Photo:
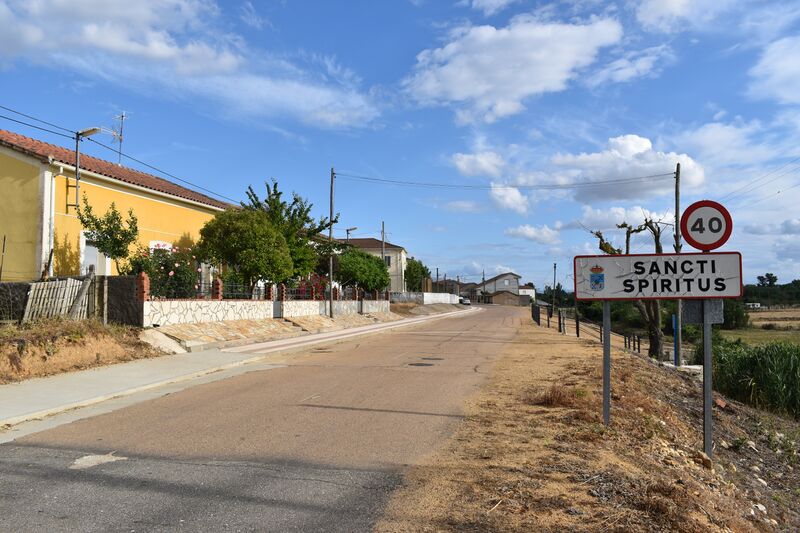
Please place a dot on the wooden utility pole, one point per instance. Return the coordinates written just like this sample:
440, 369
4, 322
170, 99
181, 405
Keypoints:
554, 287
330, 243
678, 313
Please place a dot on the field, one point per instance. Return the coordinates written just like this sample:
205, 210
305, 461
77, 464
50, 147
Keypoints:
768, 326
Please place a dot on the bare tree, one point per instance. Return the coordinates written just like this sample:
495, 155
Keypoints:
649, 309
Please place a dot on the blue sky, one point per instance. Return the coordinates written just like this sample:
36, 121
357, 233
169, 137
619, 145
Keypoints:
509, 95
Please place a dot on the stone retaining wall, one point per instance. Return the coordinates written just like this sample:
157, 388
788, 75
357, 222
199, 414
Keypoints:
166, 312
344, 307
374, 306
303, 308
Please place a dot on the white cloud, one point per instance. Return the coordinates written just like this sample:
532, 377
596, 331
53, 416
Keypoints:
490, 71
608, 218
787, 227
508, 197
174, 46
627, 156
463, 206
479, 164
777, 73
675, 15
719, 144
541, 234
490, 7
249, 15
632, 65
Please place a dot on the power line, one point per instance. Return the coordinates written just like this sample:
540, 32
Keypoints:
37, 127
139, 161
551, 186
37, 119
164, 172
782, 174
735, 192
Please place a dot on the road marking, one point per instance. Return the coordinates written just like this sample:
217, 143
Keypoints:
88, 461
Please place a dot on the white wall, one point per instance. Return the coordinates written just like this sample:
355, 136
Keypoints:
375, 306
439, 298
166, 312
303, 308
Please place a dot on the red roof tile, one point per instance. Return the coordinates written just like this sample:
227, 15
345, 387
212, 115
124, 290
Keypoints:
43, 151
370, 243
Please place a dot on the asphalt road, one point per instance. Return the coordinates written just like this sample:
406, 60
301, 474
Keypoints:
315, 446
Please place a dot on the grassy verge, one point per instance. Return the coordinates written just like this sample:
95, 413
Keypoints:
761, 336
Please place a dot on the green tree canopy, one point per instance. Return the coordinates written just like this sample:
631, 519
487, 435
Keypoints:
294, 221
767, 280
246, 241
416, 273
362, 269
110, 235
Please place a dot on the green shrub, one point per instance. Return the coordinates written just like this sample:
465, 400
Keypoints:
766, 376
173, 272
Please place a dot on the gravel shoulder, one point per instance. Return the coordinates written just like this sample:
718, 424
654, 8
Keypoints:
533, 454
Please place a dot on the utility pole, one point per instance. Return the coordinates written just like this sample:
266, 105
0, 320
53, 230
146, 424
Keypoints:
437, 280
458, 285
483, 291
554, 287
678, 313
383, 249
348, 230
330, 242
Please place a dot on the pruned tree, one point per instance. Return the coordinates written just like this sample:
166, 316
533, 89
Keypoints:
649, 309
111, 235
767, 280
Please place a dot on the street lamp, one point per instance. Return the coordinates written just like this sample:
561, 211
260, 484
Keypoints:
88, 132
348, 230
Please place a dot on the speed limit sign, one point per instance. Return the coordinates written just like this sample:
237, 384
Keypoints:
706, 225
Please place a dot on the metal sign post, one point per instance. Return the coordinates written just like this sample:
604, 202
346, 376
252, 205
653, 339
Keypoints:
708, 394
606, 362
705, 278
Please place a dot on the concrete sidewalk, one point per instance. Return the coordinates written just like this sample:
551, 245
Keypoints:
41, 397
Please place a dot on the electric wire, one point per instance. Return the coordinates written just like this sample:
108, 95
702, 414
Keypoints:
154, 168
735, 192
37, 127
746, 193
550, 186
164, 172
37, 119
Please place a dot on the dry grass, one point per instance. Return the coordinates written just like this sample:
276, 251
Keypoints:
534, 456
54, 346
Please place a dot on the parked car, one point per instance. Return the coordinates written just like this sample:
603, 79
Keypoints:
464, 301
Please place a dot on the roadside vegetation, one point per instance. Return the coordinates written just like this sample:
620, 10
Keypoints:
53, 346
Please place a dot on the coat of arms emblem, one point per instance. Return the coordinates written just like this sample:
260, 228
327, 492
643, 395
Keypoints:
597, 280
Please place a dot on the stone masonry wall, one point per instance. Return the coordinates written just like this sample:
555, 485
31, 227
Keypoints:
165, 312
375, 306
303, 308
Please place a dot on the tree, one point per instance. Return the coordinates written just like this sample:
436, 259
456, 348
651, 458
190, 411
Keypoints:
362, 269
649, 309
246, 241
767, 280
110, 235
416, 273
299, 229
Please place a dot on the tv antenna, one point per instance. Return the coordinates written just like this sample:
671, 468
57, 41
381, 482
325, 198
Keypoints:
117, 133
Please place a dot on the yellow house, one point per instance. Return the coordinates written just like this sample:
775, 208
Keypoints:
37, 213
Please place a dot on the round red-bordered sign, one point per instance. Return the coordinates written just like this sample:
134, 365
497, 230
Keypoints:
706, 225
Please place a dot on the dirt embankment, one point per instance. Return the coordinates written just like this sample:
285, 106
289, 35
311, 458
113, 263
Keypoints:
533, 454
49, 347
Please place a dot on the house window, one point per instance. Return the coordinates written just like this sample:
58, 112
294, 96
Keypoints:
505, 282
90, 255
388, 260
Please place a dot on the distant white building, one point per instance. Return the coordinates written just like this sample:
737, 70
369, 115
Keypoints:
753, 305
528, 290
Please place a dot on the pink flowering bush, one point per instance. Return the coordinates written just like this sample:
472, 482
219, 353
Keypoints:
173, 272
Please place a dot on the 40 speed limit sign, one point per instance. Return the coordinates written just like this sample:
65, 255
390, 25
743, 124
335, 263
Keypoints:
706, 225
